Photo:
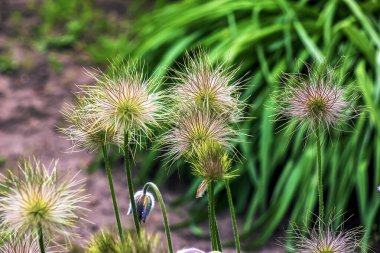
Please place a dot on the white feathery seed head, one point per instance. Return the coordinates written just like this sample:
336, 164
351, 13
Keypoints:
195, 129
201, 86
24, 244
126, 101
36, 198
84, 131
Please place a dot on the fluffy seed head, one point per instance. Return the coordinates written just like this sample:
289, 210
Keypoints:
23, 244
194, 250
144, 205
196, 129
36, 197
324, 239
201, 86
126, 101
316, 100
211, 162
85, 131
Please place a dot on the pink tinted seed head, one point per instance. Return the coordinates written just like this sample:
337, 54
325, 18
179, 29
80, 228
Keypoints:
325, 238
316, 100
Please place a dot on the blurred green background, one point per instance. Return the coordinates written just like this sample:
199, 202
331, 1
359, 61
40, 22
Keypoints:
266, 38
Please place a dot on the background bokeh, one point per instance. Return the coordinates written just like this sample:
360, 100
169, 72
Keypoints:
265, 38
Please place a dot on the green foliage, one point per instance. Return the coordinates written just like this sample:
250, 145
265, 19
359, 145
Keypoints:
7, 64
267, 37
72, 17
80, 24
107, 242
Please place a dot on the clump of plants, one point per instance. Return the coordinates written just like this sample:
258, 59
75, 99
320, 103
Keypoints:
202, 112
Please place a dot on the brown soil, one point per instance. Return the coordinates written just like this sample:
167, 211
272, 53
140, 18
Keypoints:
31, 98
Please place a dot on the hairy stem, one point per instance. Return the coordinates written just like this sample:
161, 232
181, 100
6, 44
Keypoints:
210, 218
130, 183
320, 183
233, 217
112, 189
163, 209
213, 224
41, 239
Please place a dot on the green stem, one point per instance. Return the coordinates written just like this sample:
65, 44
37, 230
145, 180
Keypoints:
130, 183
211, 220
233, 217
214, 226
217, 237
163, 210
112, 189
41, 239
320, 175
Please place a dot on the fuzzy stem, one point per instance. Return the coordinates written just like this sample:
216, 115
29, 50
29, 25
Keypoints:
163, 210
320, 175
217, 237
111, 185
233, 217
41, 239
213, 225
130, 183
211, 221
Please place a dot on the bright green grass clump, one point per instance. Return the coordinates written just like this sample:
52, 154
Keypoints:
108, 242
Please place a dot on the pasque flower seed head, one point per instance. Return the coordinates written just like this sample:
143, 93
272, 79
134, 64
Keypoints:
202, 86
211, 162
316, 100
126, 101
37, 198
196, 129
323, 238
24, 244
85, 131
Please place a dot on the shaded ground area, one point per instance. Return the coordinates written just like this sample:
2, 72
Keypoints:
33, 90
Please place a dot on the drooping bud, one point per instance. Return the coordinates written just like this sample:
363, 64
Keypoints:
144, 205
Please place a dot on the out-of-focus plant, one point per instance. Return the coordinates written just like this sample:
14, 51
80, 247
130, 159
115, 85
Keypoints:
266, 36
39, 203
107, 242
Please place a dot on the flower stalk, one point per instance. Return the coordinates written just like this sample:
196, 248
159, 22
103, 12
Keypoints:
130, 183
320, 174
216, 244
41, 238
233, 217
163, 209
112, 190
